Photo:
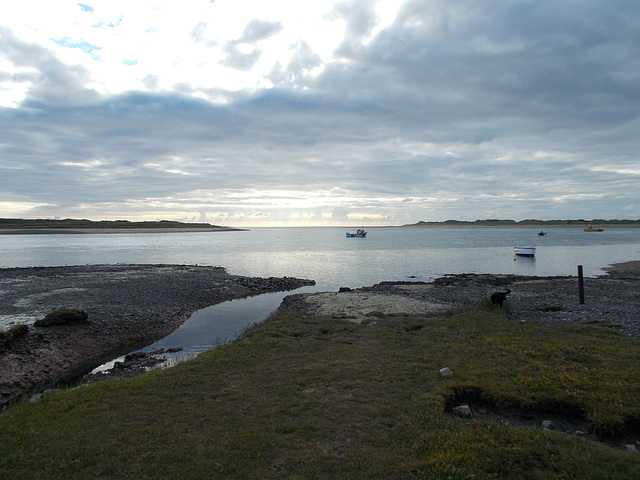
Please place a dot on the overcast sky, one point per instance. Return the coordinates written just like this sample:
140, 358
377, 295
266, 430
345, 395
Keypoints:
356, 112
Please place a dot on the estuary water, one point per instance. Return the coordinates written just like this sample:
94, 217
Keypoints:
325, 255
332, 260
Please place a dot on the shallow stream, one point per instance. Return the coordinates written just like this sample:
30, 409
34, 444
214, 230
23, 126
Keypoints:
212, 326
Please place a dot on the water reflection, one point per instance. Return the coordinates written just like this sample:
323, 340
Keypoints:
211, 326
525, 265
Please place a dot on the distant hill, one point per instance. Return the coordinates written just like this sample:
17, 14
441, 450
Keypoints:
69, 223
527, 223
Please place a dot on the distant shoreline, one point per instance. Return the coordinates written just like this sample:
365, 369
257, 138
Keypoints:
133, 230
536, 226
543, 224
81, 231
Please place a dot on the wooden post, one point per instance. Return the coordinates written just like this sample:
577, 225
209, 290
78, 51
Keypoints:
581, 284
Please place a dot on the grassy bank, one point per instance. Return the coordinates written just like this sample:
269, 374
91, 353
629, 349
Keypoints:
319, 397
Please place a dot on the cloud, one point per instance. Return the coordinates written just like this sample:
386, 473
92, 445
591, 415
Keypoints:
238, 59
360, 18
241, 54
43, 77
424, 110
300, 71
257, 30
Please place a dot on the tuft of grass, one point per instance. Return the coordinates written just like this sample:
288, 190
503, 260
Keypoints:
62, 316
322, 397
553, 307
488, 306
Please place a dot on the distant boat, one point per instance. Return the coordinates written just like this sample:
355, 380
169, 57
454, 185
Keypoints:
361, 233
591, 229
542, 233
524, 251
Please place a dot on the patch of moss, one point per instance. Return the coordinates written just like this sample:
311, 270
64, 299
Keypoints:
8, 337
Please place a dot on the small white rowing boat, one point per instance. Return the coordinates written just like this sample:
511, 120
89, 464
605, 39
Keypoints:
524, 251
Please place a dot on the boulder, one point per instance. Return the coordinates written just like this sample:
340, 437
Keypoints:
463, 410
547, 425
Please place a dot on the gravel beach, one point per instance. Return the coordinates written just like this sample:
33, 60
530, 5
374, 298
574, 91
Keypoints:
128, 306
611, 300
132, 305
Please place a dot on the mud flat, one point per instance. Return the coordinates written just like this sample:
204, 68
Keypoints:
128, 306
133, 305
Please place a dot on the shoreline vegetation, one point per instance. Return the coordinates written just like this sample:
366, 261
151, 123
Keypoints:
17, 226
349, 392
596, 222
73, 226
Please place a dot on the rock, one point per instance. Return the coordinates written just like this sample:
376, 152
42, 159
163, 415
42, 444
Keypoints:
554, 307
62, 316
547, 425
445, 372
631, 448
463, 411
344, 289
174, 349
135, 356
11, 335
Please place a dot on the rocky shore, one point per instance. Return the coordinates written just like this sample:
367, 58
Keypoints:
133, 305
127, 305
611, 301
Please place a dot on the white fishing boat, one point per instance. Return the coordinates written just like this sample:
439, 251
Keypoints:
524, 251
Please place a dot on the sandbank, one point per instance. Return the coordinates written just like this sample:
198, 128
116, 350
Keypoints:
79, 231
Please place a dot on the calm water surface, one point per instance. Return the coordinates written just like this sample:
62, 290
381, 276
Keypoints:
325, 255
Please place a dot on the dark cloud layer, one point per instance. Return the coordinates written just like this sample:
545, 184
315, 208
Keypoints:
456, 109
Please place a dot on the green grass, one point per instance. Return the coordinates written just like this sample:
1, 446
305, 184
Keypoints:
318, 397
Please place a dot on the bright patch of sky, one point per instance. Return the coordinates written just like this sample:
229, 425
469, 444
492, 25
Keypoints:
193, 45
